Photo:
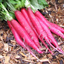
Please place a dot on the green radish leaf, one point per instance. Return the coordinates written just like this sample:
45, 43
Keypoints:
12, 14
1, 0
35, 5
4, 14
43, 2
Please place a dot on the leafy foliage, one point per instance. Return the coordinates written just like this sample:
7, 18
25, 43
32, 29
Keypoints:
43, 2
37, 4
4, 14
12, 5
1, 12
17, 4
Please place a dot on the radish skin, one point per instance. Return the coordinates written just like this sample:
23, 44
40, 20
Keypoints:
25, 13
37, 25
46, 29
27, 27
53, 29
18, 39
58, 27
24, 35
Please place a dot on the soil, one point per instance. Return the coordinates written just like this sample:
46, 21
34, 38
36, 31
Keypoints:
12, 53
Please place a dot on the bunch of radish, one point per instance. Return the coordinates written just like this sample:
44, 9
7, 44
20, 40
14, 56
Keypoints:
29, 27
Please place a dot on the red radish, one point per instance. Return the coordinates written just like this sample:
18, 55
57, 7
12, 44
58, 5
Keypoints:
25, 13
27, 27
24, 35
46, 29
18, 28
56, 26
42, 41
37, 26
53, 29
56, 31
18, 39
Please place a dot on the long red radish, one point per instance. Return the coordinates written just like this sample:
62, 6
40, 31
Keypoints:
15, 23
25, 13
56, 31
56, 26
46, 29
24, 35
27, 27
53, 29
18, 39
37, 25
42, 41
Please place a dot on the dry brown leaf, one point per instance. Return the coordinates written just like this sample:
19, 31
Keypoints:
17, 56
39, 63
1, 38
27, 60
1, 31
7, 58
1, 56
1, 45
54, 63
23, 54
13, 42
4, 36
5, 47
44, 60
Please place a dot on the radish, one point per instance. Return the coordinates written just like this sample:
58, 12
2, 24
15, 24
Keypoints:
33, 25
25, 13
37, 25
24, 35
56, 26
40, 31
34, 29
46, 29
53, 29
27, 27
18, 39
19, 29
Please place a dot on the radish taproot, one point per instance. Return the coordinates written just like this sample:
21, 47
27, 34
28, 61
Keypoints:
56, 26
24, 35
25, 13
52, 28
24, 23
37, 25
20, 30
18, 39
49, 34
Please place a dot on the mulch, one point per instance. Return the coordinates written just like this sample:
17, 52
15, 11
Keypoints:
12, 53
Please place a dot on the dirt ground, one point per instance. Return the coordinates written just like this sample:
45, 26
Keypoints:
12, 53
